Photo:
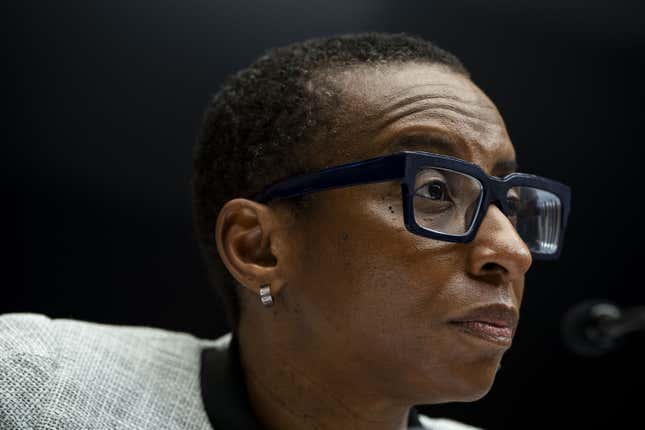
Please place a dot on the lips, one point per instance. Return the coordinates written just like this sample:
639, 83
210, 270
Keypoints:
495, 323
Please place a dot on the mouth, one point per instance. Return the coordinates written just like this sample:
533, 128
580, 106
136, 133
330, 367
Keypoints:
494, 323
498, 335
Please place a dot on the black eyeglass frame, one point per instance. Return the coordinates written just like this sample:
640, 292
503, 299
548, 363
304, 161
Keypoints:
404, 165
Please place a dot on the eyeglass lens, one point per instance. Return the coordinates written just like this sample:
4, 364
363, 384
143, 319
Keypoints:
446, 201
536, 215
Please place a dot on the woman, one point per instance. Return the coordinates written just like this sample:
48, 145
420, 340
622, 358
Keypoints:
342, 200
358, 296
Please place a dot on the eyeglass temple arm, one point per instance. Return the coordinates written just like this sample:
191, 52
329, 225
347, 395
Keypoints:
379, 169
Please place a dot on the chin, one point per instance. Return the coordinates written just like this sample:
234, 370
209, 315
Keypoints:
473, 390
460, 397
476, 395
462, 387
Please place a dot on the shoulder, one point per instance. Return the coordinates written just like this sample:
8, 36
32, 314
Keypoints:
443, 424
59, 373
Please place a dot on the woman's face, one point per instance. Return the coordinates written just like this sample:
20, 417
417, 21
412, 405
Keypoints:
370, 301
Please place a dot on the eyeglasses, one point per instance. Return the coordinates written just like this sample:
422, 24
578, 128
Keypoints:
446, 198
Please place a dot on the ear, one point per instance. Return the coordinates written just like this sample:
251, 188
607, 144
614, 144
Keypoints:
244, 232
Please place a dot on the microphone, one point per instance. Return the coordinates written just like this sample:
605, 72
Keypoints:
595, 327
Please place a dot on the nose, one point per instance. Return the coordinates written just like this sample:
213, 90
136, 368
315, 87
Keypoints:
498, 248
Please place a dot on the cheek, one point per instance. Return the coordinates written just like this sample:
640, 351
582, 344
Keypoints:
378, 296
410, 271
368, 274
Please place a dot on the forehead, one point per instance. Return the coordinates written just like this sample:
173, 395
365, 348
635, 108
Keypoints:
382, 106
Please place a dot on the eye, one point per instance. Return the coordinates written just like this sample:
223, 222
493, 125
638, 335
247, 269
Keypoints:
434, 189
513, 204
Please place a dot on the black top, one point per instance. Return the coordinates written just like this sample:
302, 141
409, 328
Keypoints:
224, 391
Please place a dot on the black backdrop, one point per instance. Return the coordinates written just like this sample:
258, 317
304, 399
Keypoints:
104, 100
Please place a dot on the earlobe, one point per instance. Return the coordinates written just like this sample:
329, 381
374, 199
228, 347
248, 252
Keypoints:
243, 234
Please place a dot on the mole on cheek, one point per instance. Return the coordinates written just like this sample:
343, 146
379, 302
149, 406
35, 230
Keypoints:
384, 197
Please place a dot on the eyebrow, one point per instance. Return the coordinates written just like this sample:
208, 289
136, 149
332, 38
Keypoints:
442, 144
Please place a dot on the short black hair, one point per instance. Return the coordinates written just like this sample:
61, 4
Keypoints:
258, 128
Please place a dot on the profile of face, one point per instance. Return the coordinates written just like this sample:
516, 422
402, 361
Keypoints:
361, 302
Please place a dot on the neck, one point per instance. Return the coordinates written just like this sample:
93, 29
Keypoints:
293, 389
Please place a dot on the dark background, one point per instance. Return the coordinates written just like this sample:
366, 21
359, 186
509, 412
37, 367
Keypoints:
104, 99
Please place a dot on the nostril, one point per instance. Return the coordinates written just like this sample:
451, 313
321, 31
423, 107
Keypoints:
490, 266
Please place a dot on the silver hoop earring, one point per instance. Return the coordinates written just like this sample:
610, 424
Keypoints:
265, 295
